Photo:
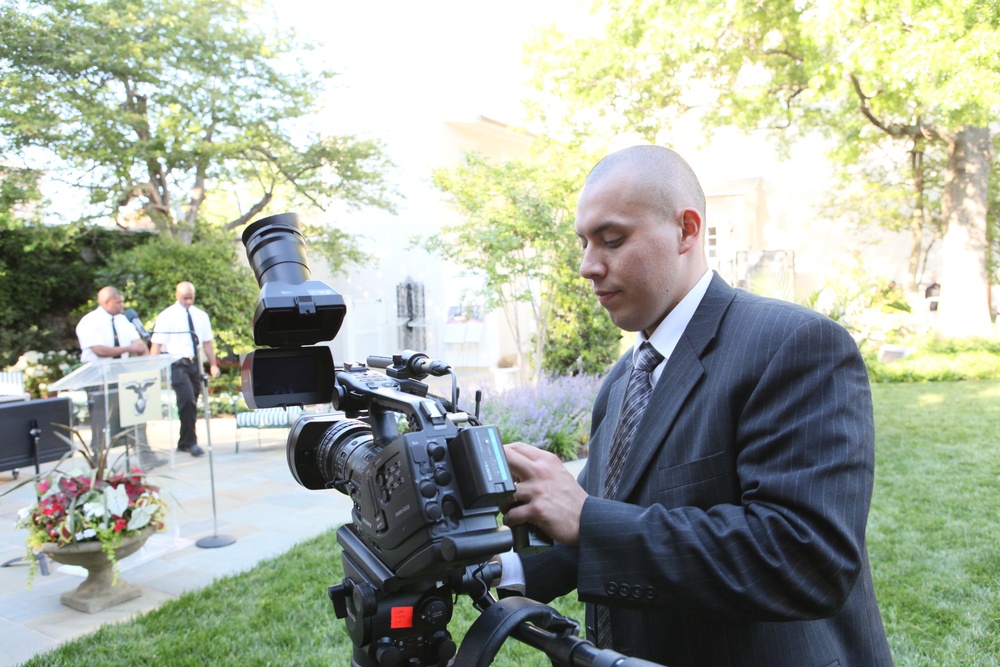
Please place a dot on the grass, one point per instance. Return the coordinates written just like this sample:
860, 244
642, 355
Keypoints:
933, 539
933, 533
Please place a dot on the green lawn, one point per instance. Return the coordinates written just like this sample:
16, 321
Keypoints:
933, 534
933, 538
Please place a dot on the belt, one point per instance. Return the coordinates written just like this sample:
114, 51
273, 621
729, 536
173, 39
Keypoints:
190, 360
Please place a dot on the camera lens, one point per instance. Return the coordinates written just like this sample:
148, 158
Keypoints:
276, 250
345, 450
323, 449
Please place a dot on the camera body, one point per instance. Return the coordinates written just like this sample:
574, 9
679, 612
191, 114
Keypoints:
425, 500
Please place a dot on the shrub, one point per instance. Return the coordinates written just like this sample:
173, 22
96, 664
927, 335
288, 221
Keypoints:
939, 361
43, 368
554, 415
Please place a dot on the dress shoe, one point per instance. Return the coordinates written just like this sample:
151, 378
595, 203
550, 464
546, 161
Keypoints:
196, 450
149, 461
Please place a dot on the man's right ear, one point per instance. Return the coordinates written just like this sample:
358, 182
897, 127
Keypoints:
691, 225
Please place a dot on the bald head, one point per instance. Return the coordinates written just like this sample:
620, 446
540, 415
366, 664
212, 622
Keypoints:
184, 293
110, 299
108, 293
640, 220
666, 177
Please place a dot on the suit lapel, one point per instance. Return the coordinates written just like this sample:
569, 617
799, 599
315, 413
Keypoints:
605, 434
681, 374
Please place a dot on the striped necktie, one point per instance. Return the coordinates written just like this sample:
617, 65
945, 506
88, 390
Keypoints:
636, 397
637, 394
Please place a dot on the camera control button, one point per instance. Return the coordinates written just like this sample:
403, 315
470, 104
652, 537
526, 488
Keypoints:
433, 511
428, 489
442, 476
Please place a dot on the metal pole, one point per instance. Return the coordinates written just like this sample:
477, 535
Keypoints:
214, 540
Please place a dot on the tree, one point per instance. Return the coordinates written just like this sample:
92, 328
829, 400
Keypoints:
19, 196
148, 274
517, 234
868, 72
153, 107
580, 337
47, 274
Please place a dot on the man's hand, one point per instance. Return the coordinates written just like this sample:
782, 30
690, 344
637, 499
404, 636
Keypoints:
137, 347
213, 369
547, 494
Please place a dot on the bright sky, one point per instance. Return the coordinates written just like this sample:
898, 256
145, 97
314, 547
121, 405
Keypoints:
435, 59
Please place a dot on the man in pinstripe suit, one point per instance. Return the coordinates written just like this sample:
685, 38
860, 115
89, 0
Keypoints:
735, 532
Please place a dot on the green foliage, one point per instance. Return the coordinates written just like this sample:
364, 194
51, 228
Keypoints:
224, 392
518, 235
158, 106
933, 537
224, 286
41, 369
937, 361
887, 81
783, 65
18, 191
581, 336
47, 275
872, 309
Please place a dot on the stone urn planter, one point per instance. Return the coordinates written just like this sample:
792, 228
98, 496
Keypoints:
101, 589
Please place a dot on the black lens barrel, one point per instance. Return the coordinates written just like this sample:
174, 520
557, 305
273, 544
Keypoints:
276, 250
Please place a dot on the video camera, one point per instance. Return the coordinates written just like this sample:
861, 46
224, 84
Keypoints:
426, 478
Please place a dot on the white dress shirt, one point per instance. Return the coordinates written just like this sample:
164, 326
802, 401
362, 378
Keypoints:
171, 330
94, 328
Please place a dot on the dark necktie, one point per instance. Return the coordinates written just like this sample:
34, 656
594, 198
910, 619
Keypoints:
114, 332
194, 338
636, 397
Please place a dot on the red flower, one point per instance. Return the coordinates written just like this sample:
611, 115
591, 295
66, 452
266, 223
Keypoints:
120, 525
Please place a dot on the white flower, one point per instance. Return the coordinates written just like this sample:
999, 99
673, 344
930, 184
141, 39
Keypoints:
86, 534
23, 516
94, 510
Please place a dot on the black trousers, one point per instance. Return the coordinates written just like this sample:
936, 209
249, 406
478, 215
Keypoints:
185, 377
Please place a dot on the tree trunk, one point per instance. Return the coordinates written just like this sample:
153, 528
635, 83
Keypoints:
964, 307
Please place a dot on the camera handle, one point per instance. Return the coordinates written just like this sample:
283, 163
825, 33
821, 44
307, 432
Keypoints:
539, 626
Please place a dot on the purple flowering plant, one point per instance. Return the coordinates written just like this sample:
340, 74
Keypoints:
553, 415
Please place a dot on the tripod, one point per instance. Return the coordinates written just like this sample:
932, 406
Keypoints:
395, 622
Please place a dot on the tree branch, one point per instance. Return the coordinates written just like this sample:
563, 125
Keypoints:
254, 210
916, 130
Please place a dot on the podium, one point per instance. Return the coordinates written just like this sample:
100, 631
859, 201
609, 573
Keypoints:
123, 395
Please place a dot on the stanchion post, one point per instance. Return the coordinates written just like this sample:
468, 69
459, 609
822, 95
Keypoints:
214, 540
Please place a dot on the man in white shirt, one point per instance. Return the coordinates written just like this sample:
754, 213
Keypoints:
104, 334
184, 329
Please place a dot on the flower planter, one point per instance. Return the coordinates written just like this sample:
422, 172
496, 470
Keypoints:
102, 588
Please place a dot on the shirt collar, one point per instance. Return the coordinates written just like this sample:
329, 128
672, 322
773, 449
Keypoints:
670, 330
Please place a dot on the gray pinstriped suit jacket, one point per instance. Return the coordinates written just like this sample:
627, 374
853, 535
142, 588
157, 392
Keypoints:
741, 540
